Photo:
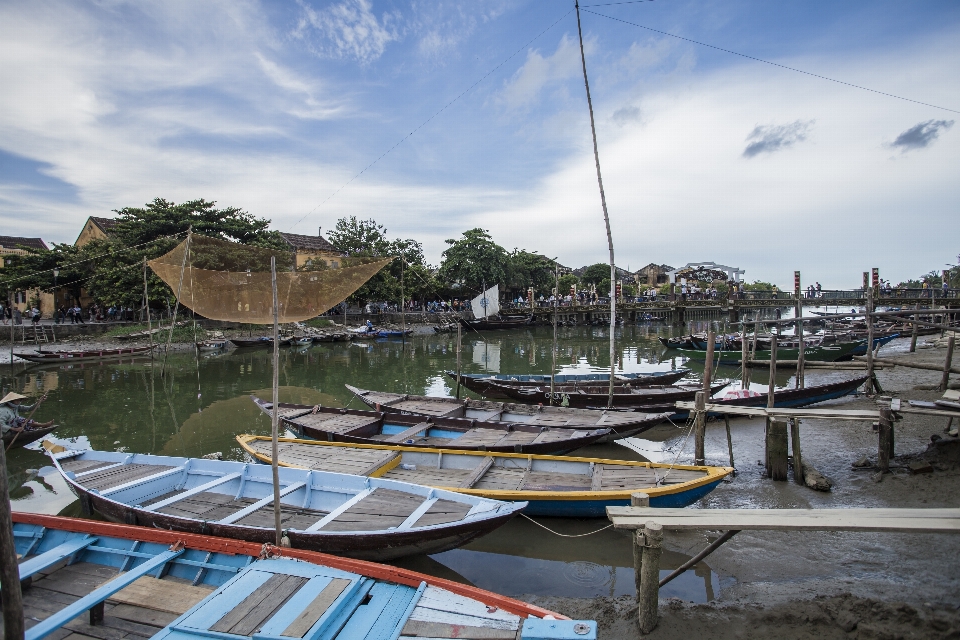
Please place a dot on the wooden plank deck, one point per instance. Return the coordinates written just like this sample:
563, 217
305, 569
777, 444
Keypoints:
382, 509
116, 476
335, 423
761, 412
894, 520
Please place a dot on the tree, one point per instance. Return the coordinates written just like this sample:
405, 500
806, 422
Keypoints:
596, 274
526, 269
474, 261
566, 281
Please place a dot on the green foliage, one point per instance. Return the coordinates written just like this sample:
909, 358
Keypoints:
566, 281
526, 269
319, 323
366, 238
596, 274
758, 285
473, 261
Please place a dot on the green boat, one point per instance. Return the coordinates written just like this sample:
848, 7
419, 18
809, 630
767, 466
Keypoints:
831, 353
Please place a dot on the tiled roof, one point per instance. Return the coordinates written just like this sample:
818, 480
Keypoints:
105, 224
311, 243
14, 242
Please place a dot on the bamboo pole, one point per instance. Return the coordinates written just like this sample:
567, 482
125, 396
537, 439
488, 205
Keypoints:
945, 380
556, 299
913, 336
10, 595
700, 427
744, 359
726, 422
606, 218
708, 362
800, 345
403, 318
869, 387
275, 414
459, 337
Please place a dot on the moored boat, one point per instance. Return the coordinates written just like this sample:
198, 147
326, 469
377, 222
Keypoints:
550, 485
373, 427
211, 345
367, 518
84, 354
262, 341
479, 382
622, 424
144, 582
598, 396
830, 353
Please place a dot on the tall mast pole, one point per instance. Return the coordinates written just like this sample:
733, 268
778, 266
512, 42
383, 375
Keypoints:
606, 217
275, 414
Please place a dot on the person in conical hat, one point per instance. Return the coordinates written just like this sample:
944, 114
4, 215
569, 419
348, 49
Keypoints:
10, 419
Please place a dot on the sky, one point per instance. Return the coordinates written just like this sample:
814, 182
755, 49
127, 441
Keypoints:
435, 117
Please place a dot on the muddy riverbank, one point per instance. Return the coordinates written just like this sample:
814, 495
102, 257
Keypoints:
821, 584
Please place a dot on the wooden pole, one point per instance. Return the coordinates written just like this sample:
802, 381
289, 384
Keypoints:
744, 358
638, 500
708, 362
10, 306
868, 387
913, 336
650, 538
403, 317
459, 337
945, 380
777, 450
10, 595
556, 299
606, 218
726, 422
275, 417
795, 445
700, 423
800, 346
771, 399
885, 440
146, 304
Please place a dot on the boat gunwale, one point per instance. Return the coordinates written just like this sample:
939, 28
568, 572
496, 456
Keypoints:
217, 544
713, 474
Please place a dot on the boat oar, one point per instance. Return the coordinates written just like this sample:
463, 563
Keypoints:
27, 421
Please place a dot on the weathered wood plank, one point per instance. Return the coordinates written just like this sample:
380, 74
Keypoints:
408, 433
162, 595
477, 473
309, 616
421, 629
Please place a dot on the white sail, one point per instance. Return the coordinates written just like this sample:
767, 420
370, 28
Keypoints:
487, 303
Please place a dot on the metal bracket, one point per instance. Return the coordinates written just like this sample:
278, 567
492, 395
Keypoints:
642, 541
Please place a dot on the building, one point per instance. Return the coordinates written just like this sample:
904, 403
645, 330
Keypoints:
95, 229
17, 246
309, 250
654, 274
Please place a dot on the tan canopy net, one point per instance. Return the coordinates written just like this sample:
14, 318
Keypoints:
224, 280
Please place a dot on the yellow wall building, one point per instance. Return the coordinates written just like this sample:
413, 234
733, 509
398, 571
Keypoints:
312, 249
15, 246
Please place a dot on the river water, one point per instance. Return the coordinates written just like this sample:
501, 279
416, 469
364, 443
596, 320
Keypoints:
197, 406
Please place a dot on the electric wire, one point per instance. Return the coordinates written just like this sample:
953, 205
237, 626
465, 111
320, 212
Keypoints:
775, 64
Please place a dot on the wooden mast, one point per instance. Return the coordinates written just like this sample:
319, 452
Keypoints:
606, 218
275, 414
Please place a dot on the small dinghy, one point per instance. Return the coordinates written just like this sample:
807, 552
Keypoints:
550, 485
85, 355
91, 579
211, 345
372, 427
302, 341
622, 424
480, 382
33, 432
366, 518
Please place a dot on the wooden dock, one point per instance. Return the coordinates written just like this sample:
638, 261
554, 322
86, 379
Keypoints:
649, 525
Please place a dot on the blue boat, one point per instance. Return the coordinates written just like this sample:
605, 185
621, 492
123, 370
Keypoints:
151, 583
360, 517
861, 349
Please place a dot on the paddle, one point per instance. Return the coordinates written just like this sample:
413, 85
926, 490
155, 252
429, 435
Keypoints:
27, 421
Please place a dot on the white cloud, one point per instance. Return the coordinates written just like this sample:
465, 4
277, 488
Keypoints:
524, 89
348, 29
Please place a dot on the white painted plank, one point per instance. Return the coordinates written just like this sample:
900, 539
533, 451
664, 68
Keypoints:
443, 600
422, 614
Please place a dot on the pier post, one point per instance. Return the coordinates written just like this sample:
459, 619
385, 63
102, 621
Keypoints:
744, 357
726, 422
771, 389
913, 336
708, 361
638, 500
795, 445
885, 450
700, 427
869, 387
777, 450
10, 595
650, 540
945, 380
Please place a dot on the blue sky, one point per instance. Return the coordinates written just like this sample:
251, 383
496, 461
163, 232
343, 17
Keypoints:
276, 106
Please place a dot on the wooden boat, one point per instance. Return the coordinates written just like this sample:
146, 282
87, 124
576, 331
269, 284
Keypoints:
12, 441
369, 427
478, 382
598, 396
366, 518
339, 336
262, 341
83, 355
302, 341
830, 353
784, 398
550, 485
621, 424
381, 333
139, 582
497, 322
211, 345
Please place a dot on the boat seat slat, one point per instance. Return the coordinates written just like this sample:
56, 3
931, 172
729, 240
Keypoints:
442, 512
49, 558
122, 475
409, 433
477, 473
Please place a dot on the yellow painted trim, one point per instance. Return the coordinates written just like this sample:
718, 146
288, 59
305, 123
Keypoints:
390, 466
713, 473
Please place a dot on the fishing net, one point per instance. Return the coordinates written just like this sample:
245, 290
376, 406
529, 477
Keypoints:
223, 280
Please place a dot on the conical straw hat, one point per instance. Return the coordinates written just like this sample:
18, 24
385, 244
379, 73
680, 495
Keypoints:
11, 397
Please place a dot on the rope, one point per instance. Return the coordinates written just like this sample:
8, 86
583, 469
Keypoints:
564, 535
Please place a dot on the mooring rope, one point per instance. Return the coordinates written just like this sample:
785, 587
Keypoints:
565, 535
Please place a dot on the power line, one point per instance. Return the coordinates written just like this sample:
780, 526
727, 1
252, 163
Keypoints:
425, 122
610, 4
775, 64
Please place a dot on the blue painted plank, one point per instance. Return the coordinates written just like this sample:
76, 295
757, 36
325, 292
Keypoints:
53, 556
377, 619
98, 595
292, 608
223, 600
539, 629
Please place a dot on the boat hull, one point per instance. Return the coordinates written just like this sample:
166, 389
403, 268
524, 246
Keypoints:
813, 354
64, 357
598, 508
13, 441
481, 383
591, 400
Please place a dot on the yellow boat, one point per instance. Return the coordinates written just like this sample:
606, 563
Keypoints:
553, 485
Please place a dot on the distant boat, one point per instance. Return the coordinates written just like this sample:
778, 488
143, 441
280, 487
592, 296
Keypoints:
83, 355
486, 312
550, 485
598, 396
172, 584
812, 354
369, 427
262, 341
302, 341
366, 518
480, 382
211, 345
622, 424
